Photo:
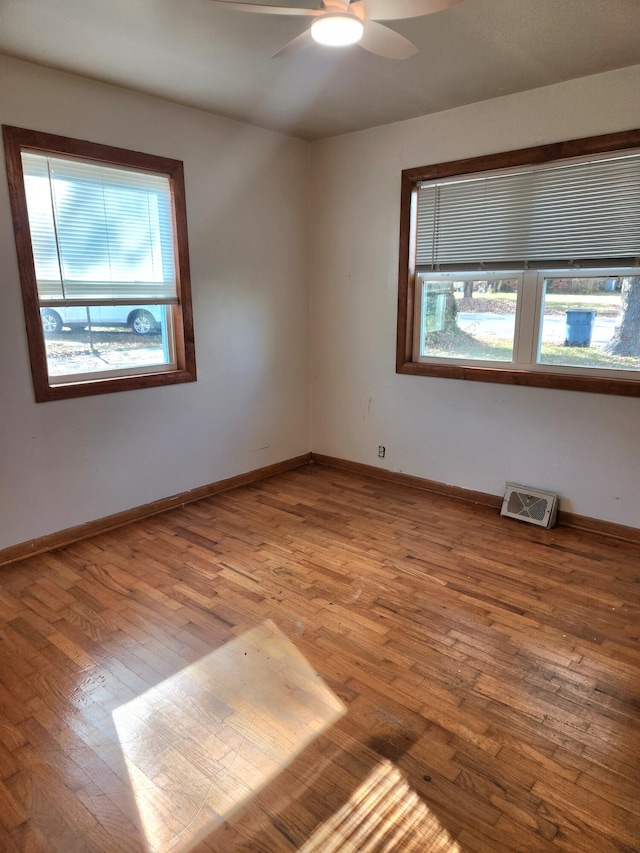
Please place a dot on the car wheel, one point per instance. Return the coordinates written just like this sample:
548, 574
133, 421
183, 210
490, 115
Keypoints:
51, 321
142, 323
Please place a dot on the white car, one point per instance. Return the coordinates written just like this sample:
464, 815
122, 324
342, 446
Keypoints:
142, 321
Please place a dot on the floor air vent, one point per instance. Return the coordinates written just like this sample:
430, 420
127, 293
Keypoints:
530, 505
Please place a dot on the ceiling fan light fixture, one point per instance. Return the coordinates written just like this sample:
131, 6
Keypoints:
337, 30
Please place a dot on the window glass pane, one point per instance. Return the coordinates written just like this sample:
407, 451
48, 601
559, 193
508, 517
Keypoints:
591, 322
106, 339
467, 319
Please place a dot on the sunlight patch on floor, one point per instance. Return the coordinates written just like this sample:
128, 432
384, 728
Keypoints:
383, 815
205, 740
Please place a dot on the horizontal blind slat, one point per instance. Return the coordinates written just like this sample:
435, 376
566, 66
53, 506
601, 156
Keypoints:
99, 232
575, 212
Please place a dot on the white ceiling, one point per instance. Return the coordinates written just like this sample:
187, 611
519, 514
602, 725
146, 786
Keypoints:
217, 59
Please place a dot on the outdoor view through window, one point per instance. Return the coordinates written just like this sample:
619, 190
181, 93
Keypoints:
585, 322
88, 339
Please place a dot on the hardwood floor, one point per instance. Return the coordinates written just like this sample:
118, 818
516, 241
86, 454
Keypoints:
322, 662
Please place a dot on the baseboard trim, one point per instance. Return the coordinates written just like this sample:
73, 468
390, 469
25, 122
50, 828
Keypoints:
468, 495
596, 525
62, 538
110, 522
565, 519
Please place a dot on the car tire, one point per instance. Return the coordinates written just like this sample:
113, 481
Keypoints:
142, 323
51, 321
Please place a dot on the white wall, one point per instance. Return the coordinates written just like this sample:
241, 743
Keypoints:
469, 434
66, 462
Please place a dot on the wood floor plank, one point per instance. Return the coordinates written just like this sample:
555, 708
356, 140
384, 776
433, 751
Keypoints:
488, 673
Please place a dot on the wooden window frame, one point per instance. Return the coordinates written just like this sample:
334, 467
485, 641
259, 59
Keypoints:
406, 327
15, 140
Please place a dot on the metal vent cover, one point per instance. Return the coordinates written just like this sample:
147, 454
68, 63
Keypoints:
531, 505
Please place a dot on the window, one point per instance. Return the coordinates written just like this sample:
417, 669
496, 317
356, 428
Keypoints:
524, 267
102, 250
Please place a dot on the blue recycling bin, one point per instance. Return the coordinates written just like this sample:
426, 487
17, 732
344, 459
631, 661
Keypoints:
579, 328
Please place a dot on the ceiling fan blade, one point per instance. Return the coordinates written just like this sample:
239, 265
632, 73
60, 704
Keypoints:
335, 5
386, 42
265, 10
297, 45
394, 10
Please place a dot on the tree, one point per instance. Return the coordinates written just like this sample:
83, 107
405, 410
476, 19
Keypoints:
626, 337
451, 312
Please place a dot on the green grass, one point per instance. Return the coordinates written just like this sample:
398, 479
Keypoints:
588, 357
465, 346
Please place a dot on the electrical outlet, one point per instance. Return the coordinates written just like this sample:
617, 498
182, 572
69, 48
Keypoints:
381, 451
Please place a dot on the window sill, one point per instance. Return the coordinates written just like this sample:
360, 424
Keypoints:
66, 391
537, 379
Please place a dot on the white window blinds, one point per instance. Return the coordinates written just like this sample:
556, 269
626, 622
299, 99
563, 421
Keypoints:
574, 212
100, 234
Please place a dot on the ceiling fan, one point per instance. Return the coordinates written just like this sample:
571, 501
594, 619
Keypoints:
338, 23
